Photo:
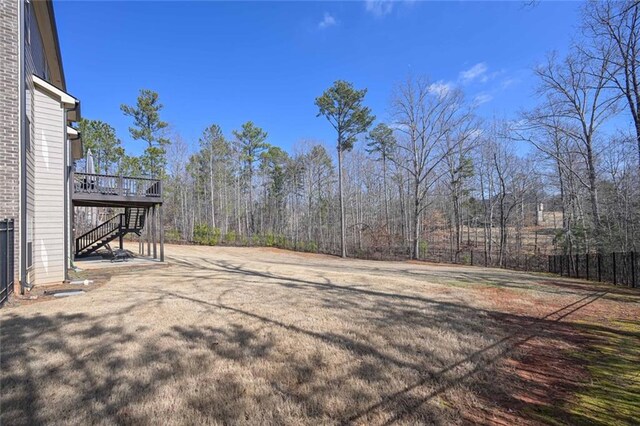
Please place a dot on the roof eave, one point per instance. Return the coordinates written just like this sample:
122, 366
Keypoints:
56, 41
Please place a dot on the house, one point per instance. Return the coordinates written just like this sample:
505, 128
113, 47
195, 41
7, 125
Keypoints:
38, 145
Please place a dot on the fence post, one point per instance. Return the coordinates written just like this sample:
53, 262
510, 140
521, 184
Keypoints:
7, 248
599, 267
471, 251
4, 279
577, 266
9, 241
614, 267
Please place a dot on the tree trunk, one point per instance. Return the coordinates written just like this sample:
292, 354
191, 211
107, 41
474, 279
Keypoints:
416, 222
343, 233
637, 125
211, 192
250, 224
593, 196
457, 220
386, 194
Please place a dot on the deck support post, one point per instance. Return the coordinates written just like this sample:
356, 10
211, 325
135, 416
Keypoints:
148, 230
121, 236
161, 234
154, 230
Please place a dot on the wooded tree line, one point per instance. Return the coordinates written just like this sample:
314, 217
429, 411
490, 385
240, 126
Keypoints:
431, 176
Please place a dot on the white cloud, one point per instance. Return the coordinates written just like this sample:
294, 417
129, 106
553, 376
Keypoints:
508, 82
379, 8
440, 88
382, 8
482, 98
398, 126
476, 72
476, 133
327, 21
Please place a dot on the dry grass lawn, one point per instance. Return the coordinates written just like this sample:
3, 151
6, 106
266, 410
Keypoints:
262, 336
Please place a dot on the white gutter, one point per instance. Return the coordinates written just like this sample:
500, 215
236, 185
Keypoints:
66, 99
73, 133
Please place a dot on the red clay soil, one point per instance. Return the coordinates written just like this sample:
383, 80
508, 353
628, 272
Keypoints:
535, 377
540, 372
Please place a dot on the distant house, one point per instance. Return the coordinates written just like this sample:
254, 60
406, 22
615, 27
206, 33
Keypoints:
38, 145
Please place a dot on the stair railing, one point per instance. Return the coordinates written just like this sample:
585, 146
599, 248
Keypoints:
98, 233
133, 219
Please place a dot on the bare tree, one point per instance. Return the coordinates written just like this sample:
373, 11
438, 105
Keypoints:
459, 168
576, 89
425, 118
614, 27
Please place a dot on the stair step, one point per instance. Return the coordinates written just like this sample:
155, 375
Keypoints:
134, 221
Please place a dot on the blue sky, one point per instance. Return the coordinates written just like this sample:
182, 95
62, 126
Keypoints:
229, 62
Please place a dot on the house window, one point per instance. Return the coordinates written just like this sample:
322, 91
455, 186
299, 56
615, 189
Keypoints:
30, 223
29, 254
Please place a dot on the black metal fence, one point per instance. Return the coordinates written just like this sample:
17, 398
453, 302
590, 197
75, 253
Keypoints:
6, 259
619, 268
515, 261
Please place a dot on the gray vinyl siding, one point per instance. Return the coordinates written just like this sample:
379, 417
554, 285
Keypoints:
16, 70
49, 214
30, 166
10, 119
34, 64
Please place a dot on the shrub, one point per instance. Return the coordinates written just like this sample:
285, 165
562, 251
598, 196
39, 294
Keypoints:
281, 241
172, 235
200, 233
269, 240
214, 237
231, 237
205, 234
311, 246
423, 247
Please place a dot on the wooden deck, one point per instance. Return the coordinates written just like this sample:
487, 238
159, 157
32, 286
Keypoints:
98, 190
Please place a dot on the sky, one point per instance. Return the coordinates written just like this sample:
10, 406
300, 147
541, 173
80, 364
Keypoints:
230, 62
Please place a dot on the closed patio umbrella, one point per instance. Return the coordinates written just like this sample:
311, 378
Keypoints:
89, 166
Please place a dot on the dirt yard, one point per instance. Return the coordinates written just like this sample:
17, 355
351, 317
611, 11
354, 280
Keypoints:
264, 336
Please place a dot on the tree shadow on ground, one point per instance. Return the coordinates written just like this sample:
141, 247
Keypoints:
445, 316
476, 275
341, 354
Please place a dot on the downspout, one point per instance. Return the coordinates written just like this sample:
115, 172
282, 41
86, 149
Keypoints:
65, 227
23, 150
71, 212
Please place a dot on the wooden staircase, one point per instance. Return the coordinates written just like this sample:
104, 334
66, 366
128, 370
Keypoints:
132, 220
